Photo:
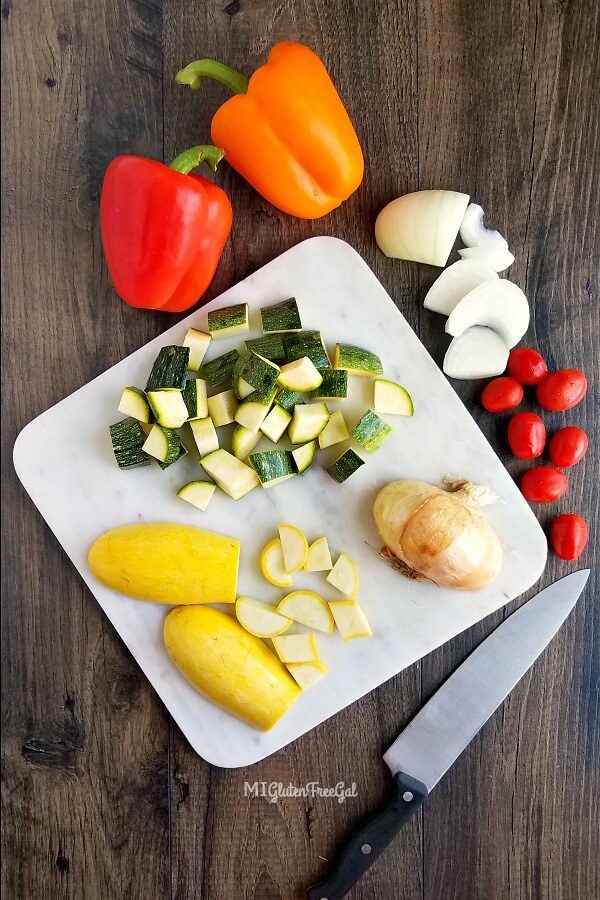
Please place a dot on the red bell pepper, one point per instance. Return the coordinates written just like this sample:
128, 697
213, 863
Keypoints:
163, 229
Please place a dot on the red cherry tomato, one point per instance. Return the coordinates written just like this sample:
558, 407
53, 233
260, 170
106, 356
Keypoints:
527, 366
561, 390
567, 446
543, 484
568, 536
502, 394
526, 435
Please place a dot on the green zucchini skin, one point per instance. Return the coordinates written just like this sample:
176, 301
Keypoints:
169, 369
371, 431
283, 316
334, 385
272, 464
228, 321
308, 343
270, 346
345, 465
258, 372
174, 454
127, 439
289, 399
190, 398
304, 456
221, 369
357, 360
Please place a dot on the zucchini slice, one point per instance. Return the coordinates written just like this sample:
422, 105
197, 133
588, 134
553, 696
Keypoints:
198, 493
127, 440
133, 403
371, 431
260, 618
288, 399
300, 375
308, 343
205, 436
197, 342
270, 346
319, 557
391, 399
350, 619
220, 369
304, 456
308, 421
164, 445
228, 321
276, 423
169, 369
357, 361
256, 371
283, 316
335, 431
168, 407
243, 442
233, 476
308, 609
194, 397
345, 575
271, 564
345, 465
273, 466
296, 648
253, 412
306, 675
222, 408
334, 385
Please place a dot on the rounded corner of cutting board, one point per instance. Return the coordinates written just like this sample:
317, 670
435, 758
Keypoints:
20, 449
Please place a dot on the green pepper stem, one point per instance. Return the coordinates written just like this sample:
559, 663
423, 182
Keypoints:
193, 74
192, 158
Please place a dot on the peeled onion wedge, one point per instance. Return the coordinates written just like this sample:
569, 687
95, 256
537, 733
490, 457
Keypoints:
307, 674
344, 575
499, 305
260, 619
421, 226
308, 609
350, 619
456, 282
294, 546
296, 648
473, 231
478, 353
492, 253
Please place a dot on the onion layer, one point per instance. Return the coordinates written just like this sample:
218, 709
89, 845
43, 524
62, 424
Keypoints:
437, 534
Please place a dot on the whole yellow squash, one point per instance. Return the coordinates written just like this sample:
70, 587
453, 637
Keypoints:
229, 665
167, 563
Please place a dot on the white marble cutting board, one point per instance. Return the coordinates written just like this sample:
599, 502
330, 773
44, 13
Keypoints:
65, 462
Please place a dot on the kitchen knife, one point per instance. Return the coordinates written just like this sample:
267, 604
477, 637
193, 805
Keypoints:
449, 721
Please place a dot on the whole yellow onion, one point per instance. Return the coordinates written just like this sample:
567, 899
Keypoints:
438, 534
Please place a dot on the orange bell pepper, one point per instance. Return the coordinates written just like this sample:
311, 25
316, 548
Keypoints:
286, 130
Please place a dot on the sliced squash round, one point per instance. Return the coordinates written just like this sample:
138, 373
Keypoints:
308, 609
271, 564
294, 546
260, 618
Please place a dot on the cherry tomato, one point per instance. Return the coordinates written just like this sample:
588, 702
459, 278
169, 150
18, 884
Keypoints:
567, 446
568, 536
526, 435
527, 366
543, 484
561, 390
502, 394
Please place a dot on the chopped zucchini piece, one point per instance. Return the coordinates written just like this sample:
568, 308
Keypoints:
133, 403
273, 466
243, 442
296, 648
164, 444
304, 456
228, 321
194, 397
308, 421
391, 399
344, 575
205, 435
335, 431
260, 618
168, 407
357, 361
283, 316
308, 343
197, 342
288, 399
300, 375
198, 493
220, 369
276, 423
294, 546
270, 346
319, 557
127, 438
345, 465
307, 674
350, 619
271, 564
334, 385
253, 412
231, 474
169, 369
222, 408
256, 371
308, 609
165, 465
371, 431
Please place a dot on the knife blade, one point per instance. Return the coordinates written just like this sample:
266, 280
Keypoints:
448, 722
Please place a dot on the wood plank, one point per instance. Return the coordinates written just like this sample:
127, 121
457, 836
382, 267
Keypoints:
86, 740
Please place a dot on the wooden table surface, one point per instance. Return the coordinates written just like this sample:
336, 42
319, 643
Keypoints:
103, 798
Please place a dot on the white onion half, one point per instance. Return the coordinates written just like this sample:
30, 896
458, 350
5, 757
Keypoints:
456, 282
494, 254
473, 231
421, 226
499, 305
477, 353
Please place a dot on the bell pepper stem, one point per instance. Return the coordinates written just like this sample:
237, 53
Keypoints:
193, 74
193, 157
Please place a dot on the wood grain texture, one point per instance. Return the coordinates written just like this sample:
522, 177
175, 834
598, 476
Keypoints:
102, 795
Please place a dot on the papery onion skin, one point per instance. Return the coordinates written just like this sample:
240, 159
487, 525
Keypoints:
441, 535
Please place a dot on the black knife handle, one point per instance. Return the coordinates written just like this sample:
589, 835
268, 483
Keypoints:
368, 844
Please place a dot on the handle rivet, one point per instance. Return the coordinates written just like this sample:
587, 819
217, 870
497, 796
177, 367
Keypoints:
408, 796
366, 849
